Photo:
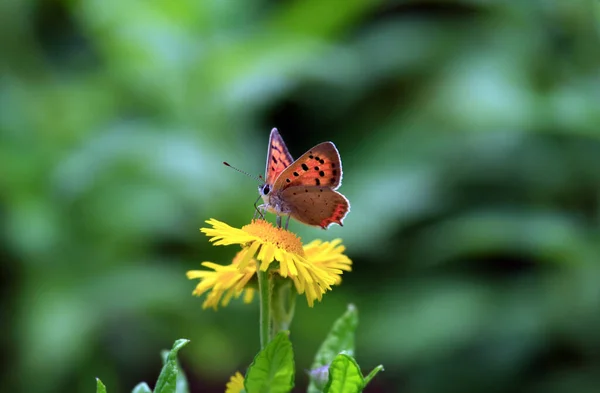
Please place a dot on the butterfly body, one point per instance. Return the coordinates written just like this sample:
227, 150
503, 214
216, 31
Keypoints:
304, 189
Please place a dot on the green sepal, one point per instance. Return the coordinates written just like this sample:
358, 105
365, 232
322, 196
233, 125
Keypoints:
141, 387
167, 380
100, 388
372, 374
344, 376
340, 338
272, 370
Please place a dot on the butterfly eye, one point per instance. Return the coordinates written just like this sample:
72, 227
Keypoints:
266, 189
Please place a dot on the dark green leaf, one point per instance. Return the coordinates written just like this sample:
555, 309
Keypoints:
141, 387
344, 376
340, 338
182, 384
167, 381
272, 370
100, 388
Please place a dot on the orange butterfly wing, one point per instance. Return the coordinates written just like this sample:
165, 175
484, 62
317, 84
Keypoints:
318, 206
320, 166
278, 157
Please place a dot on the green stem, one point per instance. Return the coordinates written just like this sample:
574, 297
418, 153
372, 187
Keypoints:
264, 286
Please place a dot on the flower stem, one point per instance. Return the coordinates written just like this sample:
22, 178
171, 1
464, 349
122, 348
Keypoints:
264, 287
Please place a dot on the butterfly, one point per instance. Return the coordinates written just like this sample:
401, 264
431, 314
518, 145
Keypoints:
304, 189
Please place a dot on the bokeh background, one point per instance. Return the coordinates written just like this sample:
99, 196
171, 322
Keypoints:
469, 133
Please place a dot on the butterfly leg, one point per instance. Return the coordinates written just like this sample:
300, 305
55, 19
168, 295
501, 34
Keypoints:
257, 210
278, 221
287, 222
257, 213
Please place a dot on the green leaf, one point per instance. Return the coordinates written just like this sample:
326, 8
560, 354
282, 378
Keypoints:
272, 370
344, 376
340, 338
100, 388
372, 374
181, 384
167, 380
141, 387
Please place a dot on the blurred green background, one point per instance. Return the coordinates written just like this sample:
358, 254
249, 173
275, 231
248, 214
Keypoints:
469, 133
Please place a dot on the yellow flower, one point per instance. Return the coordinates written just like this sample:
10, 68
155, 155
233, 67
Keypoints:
314, 268
329, 257
235, 384
224, 282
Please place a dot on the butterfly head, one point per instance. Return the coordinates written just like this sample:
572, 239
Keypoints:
265, 190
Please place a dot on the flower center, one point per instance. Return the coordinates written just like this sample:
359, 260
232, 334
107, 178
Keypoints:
282, 238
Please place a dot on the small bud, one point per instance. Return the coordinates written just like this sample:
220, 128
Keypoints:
320, 376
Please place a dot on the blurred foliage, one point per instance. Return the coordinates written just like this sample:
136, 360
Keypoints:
469, 135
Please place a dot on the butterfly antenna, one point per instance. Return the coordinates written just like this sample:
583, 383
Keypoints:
259, 178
